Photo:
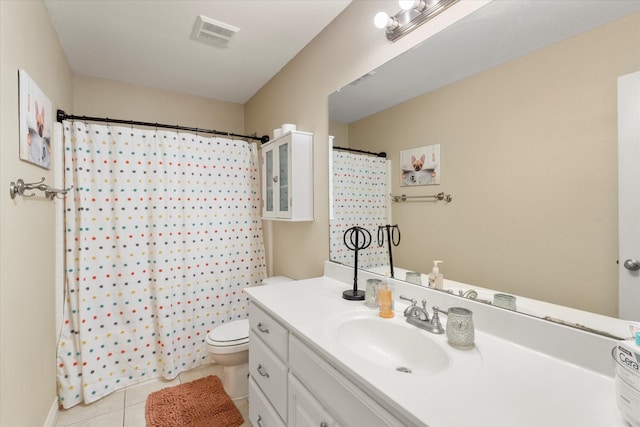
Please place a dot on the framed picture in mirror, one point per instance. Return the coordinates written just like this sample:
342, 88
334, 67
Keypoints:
420, 166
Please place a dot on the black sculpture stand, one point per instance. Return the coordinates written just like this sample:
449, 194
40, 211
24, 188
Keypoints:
353, 295
358, 238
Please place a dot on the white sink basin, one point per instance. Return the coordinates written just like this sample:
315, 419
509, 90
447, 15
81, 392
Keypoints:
392, 344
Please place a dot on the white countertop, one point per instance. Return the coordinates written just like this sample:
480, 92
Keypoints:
497, 383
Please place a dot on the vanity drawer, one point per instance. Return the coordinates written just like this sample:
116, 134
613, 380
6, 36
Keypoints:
261, 414
304, 409
269, 372
349, 405
271, 332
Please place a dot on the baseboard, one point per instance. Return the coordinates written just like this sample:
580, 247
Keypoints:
52, 417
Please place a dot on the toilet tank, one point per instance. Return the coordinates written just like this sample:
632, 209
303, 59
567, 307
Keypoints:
276, 279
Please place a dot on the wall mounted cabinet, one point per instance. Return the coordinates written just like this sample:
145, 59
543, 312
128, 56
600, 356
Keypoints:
287, 177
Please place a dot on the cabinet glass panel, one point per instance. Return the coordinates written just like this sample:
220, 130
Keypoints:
283, 178
269, 181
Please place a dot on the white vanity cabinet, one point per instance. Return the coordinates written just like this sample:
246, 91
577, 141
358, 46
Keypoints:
268, 344
287, 177
291, 385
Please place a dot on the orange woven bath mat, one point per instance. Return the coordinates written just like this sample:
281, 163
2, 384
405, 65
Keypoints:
199, 403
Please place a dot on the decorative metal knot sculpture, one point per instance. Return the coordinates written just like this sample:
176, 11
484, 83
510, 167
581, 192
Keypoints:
393, 239
355, 239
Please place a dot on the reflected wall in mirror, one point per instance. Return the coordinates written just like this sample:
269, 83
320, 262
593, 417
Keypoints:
529, 147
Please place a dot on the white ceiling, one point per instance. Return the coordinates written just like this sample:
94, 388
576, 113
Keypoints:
148, 42
496, 33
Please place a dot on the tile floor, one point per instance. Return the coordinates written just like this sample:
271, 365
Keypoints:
126, 407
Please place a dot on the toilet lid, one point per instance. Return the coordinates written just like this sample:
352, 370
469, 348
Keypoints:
232, 333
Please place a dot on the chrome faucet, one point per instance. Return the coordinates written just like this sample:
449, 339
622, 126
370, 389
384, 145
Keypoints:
413, 310
419, 316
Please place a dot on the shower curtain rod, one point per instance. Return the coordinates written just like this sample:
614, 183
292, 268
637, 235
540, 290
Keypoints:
61, 115
353, 150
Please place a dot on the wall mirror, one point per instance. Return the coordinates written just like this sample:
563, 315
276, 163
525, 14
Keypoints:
521, 96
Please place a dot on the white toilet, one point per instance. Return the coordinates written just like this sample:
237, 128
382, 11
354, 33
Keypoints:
228, 345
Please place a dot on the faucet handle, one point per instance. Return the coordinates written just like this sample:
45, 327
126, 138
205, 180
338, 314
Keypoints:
437, 309
413, 301
435, 320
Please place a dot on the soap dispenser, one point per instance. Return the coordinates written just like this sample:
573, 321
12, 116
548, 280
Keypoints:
385, 298
435, 277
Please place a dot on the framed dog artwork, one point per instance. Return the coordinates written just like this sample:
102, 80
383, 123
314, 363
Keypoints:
420, 166
36, 121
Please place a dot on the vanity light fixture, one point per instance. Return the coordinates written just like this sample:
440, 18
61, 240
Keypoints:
413, 14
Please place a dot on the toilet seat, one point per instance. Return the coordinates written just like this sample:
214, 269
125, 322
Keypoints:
232, 334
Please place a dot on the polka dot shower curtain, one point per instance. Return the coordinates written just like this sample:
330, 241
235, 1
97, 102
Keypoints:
360, 197
163, 232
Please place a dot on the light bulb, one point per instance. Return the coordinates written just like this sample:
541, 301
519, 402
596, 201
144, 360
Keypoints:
418, 5
381, 20
408, 4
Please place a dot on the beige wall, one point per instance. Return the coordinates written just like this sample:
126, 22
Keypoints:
27, 235
529, 154
106, 98
348, 48
340, 133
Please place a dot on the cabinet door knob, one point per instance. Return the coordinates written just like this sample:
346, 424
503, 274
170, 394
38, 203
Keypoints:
275, 179
262, 371
261, 328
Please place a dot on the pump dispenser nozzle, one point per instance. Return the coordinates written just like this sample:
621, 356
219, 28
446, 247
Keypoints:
435, 278
436, 270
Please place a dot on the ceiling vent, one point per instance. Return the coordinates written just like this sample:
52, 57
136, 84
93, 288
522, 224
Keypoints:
213, 32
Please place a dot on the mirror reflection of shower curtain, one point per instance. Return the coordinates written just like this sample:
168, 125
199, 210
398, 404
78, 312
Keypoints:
163, 231
360, 197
